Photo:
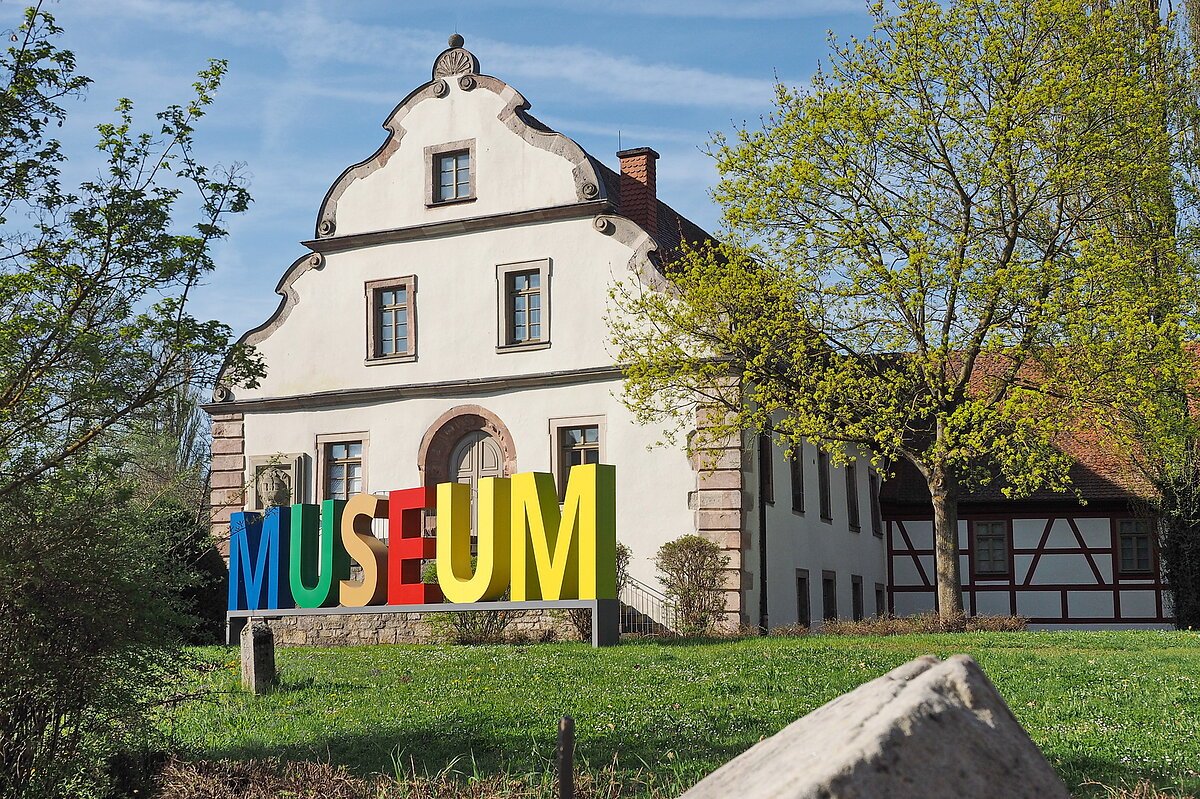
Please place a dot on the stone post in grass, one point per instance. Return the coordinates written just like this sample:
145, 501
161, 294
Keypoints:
258, 657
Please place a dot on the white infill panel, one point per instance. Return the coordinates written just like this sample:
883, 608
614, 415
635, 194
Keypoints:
1044, 604
1138, 605
1090, 604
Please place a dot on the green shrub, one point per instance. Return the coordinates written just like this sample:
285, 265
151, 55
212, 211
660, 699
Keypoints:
691, 570
91, 619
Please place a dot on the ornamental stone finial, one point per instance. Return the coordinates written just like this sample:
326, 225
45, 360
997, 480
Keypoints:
455, 60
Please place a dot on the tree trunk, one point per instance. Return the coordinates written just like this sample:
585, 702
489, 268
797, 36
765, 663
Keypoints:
944, 493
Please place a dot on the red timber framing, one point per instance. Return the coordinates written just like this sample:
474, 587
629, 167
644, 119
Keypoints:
905, 549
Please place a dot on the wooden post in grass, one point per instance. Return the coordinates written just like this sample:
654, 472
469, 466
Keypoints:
566, 758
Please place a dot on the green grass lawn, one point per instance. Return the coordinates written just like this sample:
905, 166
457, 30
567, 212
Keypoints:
1107, 707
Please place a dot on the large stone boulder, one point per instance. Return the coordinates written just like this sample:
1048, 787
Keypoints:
928, 729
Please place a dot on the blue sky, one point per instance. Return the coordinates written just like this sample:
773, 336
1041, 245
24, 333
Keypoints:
310, 83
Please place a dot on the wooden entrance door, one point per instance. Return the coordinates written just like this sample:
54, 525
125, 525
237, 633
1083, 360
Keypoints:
477, 455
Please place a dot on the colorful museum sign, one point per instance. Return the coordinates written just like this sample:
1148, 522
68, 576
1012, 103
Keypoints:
526, 545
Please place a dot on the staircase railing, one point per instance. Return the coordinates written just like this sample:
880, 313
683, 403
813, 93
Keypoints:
645, 610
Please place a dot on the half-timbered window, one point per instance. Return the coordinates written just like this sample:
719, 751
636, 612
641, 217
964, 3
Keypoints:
880, 600
1134, 546
991, 548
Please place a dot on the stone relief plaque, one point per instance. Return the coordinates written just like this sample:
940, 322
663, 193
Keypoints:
277, 480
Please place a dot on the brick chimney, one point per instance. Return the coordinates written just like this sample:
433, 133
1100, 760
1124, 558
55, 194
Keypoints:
639, 192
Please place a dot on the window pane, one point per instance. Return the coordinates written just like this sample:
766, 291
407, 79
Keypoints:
356, 450
534, 280
593, 434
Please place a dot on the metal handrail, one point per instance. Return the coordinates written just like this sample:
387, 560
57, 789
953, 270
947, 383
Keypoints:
645, 610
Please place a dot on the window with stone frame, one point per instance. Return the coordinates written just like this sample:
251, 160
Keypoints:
391, 310
343, 464
990, 548
577, 446
524, 305
575, 441
1134, 546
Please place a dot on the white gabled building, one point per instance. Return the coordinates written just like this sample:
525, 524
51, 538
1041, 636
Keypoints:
447, 323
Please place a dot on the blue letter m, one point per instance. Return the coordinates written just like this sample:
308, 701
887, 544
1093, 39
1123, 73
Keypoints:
258, 561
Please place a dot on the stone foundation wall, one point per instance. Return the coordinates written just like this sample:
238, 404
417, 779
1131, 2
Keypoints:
359, 629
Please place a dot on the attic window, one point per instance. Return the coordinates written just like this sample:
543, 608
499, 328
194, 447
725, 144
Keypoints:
450, 173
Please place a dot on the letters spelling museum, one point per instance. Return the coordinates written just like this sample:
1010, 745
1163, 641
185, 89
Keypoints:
299, 556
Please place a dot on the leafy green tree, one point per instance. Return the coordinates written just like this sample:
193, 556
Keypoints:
96, 342
921, 259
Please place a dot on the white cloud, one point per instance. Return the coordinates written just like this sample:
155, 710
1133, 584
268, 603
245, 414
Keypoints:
722, 9
308, 37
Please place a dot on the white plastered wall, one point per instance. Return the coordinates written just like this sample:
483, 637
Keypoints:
510, 173
805, 541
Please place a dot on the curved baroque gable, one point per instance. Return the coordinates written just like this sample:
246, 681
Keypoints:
459, 64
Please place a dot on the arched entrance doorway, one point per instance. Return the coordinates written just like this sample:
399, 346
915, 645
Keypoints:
477, 455
466, 444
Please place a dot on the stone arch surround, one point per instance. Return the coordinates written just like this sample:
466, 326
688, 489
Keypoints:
448, 429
